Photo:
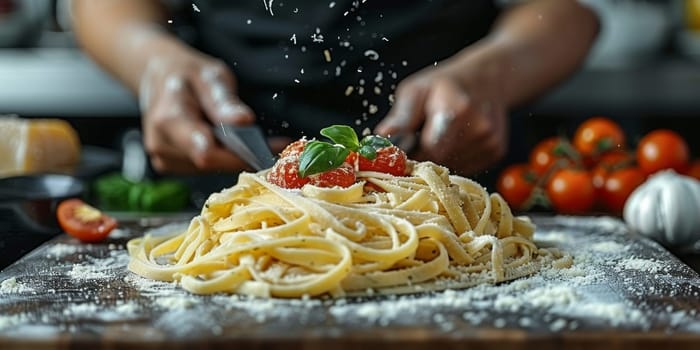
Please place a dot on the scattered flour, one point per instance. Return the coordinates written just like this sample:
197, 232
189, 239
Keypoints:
645, 265
12, 286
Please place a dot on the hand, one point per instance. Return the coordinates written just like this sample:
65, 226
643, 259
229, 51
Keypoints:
182, 94
460, 110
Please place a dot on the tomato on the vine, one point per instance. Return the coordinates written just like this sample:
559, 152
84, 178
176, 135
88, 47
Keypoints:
609, 162
516, 184
598, 135
618, 186
662, 149
571, 191
548, 152
84, 222
694, 169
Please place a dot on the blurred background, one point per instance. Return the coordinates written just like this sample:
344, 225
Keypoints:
644, 73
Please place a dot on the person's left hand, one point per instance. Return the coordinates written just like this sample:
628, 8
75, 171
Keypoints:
459, 108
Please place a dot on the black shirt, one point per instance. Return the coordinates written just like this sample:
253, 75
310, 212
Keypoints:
302, 65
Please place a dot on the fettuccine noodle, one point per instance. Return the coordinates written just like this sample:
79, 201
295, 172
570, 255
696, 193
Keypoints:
425, 231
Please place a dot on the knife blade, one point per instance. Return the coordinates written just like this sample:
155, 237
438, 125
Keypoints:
247, 142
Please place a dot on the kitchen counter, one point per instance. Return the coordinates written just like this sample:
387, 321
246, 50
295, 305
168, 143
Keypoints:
624, 291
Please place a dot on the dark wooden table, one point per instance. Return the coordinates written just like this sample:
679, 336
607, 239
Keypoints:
623, 291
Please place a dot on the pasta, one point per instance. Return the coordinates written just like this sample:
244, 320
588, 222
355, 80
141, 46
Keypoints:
428, 230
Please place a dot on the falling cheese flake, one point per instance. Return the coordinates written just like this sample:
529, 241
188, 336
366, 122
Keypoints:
249, 21
170, 21
293, 39
268, 6
327, 55
377, 90
348, 90
435, 64
385, 39
302, 71
317, 38
404, 63
274, 96
195, 8
372, 55
296, 81
331, 5
373, 109
296, 10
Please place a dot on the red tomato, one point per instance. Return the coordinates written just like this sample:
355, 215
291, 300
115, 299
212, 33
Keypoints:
571, 191
389, 160
662, 149
597, 135
609, 162
694, 169
515, 184
618, 186
83, 221
294, 149
285, 173
547, 152
342, 176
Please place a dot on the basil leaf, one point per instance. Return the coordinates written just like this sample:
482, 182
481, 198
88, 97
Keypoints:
368, 152
375, 142
342, 135
319, 156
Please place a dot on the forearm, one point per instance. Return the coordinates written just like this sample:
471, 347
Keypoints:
122, 35
534, 46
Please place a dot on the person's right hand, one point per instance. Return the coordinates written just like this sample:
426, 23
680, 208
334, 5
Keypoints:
182, 94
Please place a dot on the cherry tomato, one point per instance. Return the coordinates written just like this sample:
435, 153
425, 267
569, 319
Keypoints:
285, 173
515, 184
571, 191
694, 169
598, 135
83, 221
662, 149
294, 149
609, 162
547, 152
618, 186
342, 176
389, 160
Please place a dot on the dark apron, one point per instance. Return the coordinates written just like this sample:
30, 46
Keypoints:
371, 46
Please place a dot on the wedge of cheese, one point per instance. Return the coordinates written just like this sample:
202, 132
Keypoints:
37, 145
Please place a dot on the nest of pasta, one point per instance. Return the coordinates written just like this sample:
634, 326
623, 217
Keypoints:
428, 230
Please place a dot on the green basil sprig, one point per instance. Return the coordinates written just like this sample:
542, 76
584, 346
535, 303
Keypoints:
320, 156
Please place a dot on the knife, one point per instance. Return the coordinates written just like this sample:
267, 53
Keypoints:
247, 142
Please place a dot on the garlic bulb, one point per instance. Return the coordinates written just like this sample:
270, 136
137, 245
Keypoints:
666, 208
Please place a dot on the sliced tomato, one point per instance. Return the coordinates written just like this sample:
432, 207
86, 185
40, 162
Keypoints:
389, 160
84, 222
342, 176
285, 173
294, 149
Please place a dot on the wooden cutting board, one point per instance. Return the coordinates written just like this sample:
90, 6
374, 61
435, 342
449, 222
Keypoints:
624, 291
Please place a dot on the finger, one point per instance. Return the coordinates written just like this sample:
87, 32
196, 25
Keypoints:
407, 114
185, 134
447, 108
214, 86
